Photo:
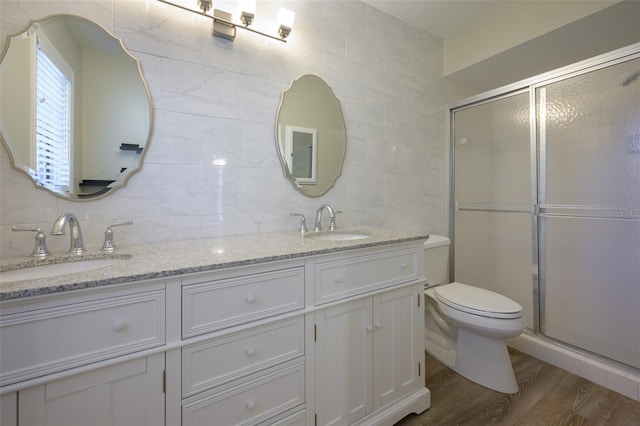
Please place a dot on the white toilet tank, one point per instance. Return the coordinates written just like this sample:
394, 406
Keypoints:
436, 259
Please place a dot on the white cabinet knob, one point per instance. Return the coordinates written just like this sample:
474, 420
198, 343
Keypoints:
377, 326
369, 328
250, 352
251, 405
118, 326
403, 266
337, 280
251, 298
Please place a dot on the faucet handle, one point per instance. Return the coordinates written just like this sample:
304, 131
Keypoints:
332, 225
40, 250
109, 244
303, 221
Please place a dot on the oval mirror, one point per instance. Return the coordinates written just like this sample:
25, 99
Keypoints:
311, 135
75, 111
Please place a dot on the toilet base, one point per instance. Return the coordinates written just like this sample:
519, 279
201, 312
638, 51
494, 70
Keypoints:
485, 360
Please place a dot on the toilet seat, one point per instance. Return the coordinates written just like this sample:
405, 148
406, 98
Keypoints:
477, 301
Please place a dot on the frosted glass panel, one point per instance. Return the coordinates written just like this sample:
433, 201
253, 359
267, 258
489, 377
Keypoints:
592, 294
591, 127
493, 251
492, 154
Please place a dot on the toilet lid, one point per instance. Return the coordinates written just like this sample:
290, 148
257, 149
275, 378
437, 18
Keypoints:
477, 301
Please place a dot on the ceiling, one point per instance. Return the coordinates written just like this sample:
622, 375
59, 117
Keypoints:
543, 34
450, 18
443, 18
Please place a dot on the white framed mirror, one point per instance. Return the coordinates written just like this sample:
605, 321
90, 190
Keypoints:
301, 154
310, 135
75, 110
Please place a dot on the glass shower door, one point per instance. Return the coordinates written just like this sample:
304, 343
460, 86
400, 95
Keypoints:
493, 198
588, 129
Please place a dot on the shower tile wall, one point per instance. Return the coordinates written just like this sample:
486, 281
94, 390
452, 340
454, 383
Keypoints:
215, 99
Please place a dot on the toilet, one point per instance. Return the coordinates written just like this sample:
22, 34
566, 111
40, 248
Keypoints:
465, 326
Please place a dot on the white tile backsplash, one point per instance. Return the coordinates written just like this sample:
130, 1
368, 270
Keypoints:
216, 100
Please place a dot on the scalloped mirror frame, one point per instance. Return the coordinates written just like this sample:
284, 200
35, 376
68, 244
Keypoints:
121, 181
293, 99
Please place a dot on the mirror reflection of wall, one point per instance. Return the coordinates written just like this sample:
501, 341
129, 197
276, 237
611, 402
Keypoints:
310, 113
108, 107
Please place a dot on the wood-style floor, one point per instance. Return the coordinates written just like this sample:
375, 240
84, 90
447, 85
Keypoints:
548, 396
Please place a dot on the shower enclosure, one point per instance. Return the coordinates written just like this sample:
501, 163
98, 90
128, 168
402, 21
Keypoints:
546, 192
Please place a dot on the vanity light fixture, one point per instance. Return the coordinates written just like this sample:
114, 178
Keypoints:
247, 11
227, 28
285, 20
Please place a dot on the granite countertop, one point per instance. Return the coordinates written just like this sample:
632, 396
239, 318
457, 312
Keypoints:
158, 260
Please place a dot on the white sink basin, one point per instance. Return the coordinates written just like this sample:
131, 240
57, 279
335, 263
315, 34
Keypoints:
54, 269
342, 237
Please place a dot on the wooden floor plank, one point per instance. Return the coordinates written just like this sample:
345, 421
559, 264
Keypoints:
548, 396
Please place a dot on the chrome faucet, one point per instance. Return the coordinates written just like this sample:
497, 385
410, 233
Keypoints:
332, 217
77, 245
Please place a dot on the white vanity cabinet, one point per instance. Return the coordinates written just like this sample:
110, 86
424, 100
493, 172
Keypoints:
369, 352
58, 351
331, 336
128, 393
246, 364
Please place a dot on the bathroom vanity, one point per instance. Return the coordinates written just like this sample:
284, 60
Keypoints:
261, 329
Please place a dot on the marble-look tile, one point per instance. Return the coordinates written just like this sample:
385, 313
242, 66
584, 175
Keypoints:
159, 29
400, 190
20, 12
20, 201
248, 54
362, 119
344, 77
262, 189
258, 99
199, 191
383, 88
359, 195
215, 103
290, 61
228, 224
177, 139
151, 67
315, 31
199, 90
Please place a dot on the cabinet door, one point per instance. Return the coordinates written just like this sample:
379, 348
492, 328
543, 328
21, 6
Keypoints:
9, 409
344, 391
397, 340
130, 393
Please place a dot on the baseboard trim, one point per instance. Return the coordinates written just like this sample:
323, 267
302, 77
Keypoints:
609, 375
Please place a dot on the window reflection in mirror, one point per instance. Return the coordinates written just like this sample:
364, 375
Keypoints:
91, 143
53, 118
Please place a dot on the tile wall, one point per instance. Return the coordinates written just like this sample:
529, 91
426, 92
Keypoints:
214, 99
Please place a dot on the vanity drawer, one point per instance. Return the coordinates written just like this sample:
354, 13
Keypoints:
348, 277
217, 361
43, 341
214, 305
253, 401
